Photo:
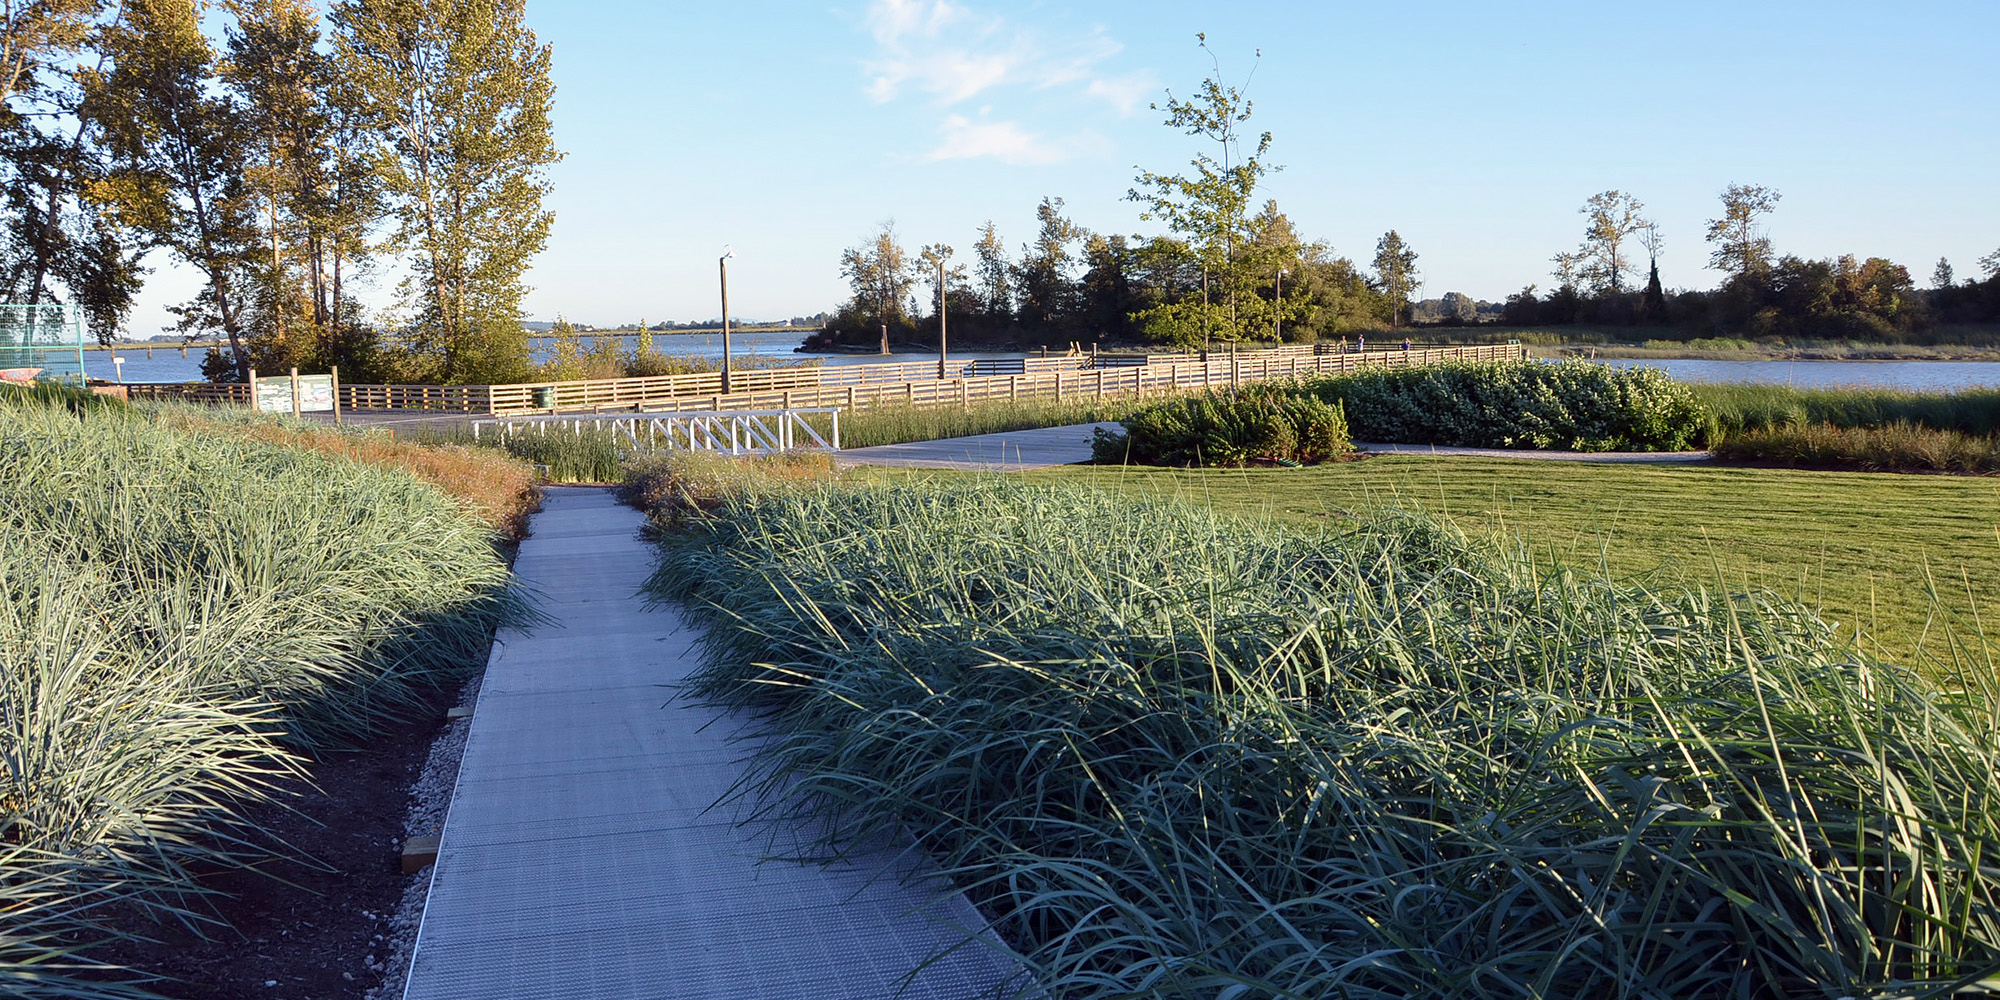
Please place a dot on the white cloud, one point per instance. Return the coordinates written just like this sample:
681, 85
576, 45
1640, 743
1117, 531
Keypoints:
954, 54
1126, 93
965, 139
891, 20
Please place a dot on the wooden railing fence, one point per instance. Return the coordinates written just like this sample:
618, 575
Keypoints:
860, 386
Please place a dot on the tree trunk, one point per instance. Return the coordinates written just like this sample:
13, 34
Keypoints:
338, 332
219, 283
277, 275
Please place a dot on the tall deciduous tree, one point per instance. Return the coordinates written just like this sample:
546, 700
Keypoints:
1111, 292
950, 294
36, 35
1395, 274
1653, 304
1614, 218
174, 148
56, 244
1741, 246
1209, 207
992, 269
275, 66
1941, 276
1047, 291
1275, 246
881, 274
458, 95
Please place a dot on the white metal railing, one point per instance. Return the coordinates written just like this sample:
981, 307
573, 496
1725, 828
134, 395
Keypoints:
737, 432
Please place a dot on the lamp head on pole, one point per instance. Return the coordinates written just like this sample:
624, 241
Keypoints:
728, 251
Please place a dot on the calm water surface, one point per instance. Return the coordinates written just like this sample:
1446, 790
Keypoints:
1916, 376
167, 365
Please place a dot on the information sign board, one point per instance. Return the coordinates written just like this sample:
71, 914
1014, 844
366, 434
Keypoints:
274, 395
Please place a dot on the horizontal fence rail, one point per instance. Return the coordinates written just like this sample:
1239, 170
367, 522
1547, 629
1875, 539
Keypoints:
737, 432
860, 386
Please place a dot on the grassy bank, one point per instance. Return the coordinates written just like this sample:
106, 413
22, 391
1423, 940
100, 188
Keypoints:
189, 605
896, 423
493, 485
582, 455
1866, 550
1899, 447
1180, 754
1764, 407
1876, 430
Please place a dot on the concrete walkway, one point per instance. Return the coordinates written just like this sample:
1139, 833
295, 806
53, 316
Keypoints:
582, 859
1009, 451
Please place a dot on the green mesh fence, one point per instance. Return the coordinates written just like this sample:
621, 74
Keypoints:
49, 338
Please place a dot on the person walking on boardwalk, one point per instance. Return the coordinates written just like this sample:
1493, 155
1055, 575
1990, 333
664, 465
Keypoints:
1406, 345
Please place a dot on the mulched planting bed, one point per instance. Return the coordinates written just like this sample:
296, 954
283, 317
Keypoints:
314, 925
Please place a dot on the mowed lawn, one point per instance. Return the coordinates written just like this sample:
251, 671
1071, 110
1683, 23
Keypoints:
1866, 549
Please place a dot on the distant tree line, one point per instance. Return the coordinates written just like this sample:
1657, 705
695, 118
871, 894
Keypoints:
302, 154
1072, 284
1762, 294
813, 321
1222, 273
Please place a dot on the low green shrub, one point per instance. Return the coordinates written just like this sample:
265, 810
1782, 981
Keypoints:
1563, 405
1177, 755
1230, 427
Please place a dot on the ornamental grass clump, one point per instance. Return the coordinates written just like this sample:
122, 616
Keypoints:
1899, 447
896, 423
1177, 755
182, 615
1231, 428
1753, 407
1562, 405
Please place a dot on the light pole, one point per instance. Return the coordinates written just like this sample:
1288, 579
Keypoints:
882, 300
1278, 322
942, 253
1207, 329
723, 263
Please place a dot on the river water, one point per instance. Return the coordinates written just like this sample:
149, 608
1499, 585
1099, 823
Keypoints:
1914, 376
167, 365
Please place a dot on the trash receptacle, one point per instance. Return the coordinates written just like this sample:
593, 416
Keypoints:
545, 398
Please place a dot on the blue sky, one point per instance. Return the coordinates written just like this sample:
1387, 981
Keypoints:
790, 130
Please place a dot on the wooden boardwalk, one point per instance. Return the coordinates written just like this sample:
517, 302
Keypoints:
862, 386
